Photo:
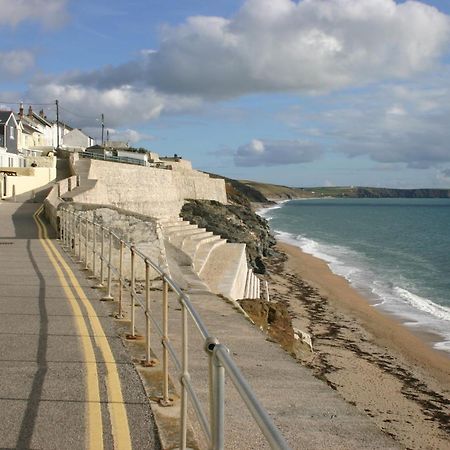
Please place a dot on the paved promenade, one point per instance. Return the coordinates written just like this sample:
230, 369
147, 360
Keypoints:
66, 381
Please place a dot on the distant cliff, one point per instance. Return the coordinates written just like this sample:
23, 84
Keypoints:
277, 192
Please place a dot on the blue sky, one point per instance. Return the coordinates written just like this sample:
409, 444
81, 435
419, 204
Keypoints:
305, 93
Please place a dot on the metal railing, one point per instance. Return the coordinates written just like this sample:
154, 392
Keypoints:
123, 159
80, 234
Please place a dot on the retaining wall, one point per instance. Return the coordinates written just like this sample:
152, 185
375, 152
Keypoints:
27, 179
146, 190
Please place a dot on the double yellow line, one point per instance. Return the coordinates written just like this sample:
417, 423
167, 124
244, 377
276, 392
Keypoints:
116, 406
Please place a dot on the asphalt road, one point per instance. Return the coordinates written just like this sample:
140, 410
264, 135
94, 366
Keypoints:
66, 381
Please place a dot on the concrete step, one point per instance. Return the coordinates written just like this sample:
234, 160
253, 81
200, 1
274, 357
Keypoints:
222, 271
177, 237
170, 220
178, 226
192, 280
247, 284
191, 244
203, 252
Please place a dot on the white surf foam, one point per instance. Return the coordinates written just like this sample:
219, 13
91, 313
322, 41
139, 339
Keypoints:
392, 298
263, 211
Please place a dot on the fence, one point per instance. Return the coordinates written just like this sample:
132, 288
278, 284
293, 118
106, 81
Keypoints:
124, 159
94, 244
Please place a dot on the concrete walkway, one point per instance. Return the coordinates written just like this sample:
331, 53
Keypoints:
307, 411
66, 381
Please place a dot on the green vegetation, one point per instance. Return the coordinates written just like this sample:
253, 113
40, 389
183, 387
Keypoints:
277, 192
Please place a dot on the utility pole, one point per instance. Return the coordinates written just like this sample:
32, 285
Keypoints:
103, 128
107, 135
57, 124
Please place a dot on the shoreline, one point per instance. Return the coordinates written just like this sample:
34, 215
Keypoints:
369, 357
388, 329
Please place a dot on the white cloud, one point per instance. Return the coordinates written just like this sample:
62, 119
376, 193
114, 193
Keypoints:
390, 124
15, 63
81, 106
51, 13
308, 46
129, 135
261, 152
305, 46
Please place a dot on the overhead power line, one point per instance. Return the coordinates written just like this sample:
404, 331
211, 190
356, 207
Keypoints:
26, 103
78, 115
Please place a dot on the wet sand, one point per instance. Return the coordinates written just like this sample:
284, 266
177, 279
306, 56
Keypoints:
375, 363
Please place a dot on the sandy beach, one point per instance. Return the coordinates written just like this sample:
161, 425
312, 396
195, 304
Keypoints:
374, 362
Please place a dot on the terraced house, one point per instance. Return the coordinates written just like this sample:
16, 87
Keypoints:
9, 135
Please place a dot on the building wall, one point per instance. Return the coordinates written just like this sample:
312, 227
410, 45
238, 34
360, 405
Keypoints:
27, 179
146, 190
10, 159
76, 138
10, 136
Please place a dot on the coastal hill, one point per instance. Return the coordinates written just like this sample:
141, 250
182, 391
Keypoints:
278, 192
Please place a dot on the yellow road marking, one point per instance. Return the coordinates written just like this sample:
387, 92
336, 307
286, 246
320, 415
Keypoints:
118, 414
94, 435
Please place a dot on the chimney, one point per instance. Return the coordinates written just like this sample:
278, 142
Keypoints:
41, 114
21, 110
30, 111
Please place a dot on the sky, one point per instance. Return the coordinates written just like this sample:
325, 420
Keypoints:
300, 93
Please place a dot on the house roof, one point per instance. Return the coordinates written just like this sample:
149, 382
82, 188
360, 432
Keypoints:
4, 116
28, 123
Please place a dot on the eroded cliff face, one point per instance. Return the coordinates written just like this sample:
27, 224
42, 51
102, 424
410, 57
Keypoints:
237, 224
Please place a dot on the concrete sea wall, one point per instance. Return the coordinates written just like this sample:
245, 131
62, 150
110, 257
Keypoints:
145, 190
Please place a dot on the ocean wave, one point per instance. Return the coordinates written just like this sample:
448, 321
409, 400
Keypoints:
337, 257
263, 211
423, 304
384, 293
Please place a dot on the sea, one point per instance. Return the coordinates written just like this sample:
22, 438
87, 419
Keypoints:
396, 252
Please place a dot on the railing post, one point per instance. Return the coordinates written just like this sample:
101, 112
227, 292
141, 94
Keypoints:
75, 236
94, 248
79, 239
132, 334
210, 344
218, 402
86, 259
119, 313
61, 234
184, 377
66, 228
108, 295
102, 258
165, 400
148, 361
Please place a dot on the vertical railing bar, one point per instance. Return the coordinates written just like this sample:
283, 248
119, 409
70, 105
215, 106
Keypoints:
61, 235
120, 312
108, 295
184, 377
74, 235
102, 256
165, 401
132, 294
79, 238
218, 379
86, 258
94, 250
148, 360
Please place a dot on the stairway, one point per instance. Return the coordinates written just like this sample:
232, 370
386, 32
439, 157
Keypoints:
200, 260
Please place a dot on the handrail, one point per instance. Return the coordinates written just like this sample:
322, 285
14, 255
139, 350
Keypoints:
124, 159
79, 234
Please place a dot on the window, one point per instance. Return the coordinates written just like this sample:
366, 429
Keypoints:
11, 132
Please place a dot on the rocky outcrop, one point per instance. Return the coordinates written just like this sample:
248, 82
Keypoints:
237, 224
